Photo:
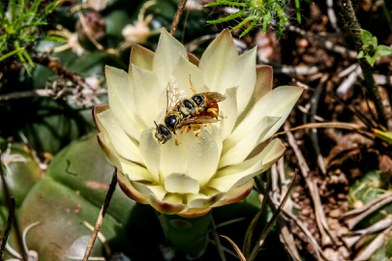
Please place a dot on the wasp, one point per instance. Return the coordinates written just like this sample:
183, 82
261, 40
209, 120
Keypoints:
201, 108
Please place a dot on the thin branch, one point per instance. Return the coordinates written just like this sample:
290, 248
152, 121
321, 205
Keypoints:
7, 229
215, 235
177, 16
336, 124
271, 222
101, 215
321, 220
372, 88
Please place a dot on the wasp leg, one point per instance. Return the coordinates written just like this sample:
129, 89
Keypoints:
197, 130
214, 112
177, 141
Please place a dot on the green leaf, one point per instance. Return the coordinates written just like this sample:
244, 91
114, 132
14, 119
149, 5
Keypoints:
383, 135
383, 50
70, 196
21, 171
360, 55
82, 167
371, 59
367, 38
227, 18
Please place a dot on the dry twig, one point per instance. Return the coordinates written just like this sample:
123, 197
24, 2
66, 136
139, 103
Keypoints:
101, 215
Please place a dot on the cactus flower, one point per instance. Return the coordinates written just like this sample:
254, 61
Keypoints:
208, 165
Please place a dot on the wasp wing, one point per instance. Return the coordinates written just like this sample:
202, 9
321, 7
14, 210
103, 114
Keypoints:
197, 120
173, 95
213, 96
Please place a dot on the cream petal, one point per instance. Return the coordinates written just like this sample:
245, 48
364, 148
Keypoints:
174, 158
271, 153
277, 103
236, 194
147, 95
175, 199
134, 172
122, 143
141, 57
231, 76
151, 153
202, 200
264, 77
170, 206
203, 156
215, 58
181, 183
156, 191
227, 177
237, 175
167, 55
194, 212
109, 150
197, 155
228, 110
245, 79
121, 99
129, 190
188, 75
235, 151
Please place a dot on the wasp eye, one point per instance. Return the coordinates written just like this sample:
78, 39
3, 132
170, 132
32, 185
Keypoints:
163, 134
163, 130
171, 121
198, 99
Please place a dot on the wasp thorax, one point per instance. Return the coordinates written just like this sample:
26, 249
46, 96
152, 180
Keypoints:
171, 121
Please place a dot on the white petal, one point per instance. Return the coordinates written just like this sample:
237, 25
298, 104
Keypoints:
150, 151
156, 191
235, 151
238, 71
122, 143
174, 158
167, 55
204, 200
236, 175
181, 183
120, 92
245, 78
134, 172
277, 103
264, 77
188, 75
203, 157
215, 58
197, 155
227, 177
228, 109
142, 57
173, 199
147, 95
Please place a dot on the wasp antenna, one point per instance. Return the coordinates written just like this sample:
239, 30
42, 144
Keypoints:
193, 88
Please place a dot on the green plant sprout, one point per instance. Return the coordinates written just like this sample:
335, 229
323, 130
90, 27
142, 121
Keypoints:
371, 50
20, 24
255, 13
